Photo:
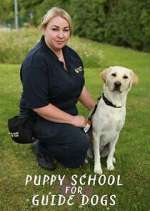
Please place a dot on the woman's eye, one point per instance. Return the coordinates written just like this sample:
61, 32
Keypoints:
66, 30
54, 29
113, 74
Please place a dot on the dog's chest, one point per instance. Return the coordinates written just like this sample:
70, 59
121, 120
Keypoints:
114, 120
108, 119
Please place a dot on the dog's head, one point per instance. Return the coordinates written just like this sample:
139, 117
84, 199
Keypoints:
119, 79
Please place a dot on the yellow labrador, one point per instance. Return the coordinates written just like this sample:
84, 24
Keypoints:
109, 117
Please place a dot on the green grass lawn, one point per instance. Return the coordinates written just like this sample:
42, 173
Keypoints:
132, 152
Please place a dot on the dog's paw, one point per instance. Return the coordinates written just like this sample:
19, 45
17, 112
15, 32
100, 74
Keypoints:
110, 167
98, 170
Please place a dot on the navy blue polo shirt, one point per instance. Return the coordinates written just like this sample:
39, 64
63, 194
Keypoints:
45, 80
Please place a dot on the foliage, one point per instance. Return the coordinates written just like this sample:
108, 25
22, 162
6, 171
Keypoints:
6, 11
38, 8
129, 24
121, 22
89, 18
14, 45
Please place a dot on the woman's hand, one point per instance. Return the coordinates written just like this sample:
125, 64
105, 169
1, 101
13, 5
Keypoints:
79, 121
52, 113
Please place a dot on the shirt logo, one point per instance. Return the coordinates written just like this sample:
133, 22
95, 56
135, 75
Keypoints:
78, 69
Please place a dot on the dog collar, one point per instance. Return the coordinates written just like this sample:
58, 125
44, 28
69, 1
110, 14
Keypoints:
109, 103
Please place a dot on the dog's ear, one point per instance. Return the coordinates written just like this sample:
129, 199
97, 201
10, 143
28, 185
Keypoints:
135, 79
103, 74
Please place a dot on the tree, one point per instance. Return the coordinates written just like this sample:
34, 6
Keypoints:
6, 11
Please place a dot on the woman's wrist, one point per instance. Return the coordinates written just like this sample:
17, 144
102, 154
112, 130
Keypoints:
92, 105
78, 121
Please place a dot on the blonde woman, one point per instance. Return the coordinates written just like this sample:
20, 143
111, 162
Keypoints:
53, 82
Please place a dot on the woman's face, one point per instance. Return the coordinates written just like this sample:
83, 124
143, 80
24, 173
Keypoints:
57, 33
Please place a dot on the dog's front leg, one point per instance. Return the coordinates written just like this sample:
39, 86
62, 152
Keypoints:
96, 149
110, 158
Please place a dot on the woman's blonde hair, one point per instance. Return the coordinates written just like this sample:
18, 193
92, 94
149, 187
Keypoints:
54, 12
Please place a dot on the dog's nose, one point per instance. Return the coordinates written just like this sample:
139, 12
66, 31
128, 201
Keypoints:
117, 84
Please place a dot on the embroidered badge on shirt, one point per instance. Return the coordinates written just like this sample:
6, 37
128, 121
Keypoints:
78, 69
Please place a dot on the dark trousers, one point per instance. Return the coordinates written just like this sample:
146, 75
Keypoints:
65, 143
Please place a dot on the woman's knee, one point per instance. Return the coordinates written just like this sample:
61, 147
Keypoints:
81, 144
76, 152
71, 149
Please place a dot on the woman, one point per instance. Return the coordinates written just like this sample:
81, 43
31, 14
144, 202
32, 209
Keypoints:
53, 82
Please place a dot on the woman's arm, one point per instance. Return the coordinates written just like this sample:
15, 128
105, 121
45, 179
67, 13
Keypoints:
86, 99
52, 113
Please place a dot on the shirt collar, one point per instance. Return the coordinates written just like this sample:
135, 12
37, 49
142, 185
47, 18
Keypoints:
43, 43
64, 50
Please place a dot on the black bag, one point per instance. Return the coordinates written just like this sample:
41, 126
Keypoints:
21, 129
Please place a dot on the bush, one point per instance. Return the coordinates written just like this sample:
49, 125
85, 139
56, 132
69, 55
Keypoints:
121, 22
128, 25
14, 45
89, 18
90, 52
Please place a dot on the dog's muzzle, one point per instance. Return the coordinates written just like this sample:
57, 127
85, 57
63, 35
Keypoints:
117, 86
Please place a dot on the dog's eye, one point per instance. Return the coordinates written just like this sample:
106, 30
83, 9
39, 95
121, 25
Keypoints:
125, 77
113, 74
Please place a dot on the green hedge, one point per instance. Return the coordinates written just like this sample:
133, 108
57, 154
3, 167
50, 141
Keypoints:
129, 25
89, 18
121, 22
